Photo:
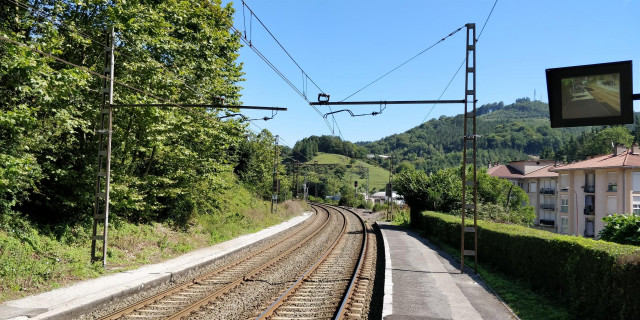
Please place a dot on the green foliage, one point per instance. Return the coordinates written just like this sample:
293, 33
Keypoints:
499, 200
401, 217
35, 259
167, 163
575, 271
594, 142
254, 162
603, 139
347, 197
624, 229
307, 148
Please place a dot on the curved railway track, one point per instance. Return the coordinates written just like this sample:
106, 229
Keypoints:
325, 289
319, 271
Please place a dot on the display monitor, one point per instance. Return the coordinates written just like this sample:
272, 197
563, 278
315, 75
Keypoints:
590, 95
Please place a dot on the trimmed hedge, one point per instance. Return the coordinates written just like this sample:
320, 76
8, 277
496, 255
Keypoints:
594, 279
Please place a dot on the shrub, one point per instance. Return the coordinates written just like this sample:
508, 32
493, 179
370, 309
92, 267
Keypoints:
594, 279
624, 229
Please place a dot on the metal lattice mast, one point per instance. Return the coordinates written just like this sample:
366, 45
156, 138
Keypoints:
391, 187
470, 186
315, 169
296, 166
101, 198
274, 196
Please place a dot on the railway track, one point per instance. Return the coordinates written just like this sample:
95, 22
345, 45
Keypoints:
288, 269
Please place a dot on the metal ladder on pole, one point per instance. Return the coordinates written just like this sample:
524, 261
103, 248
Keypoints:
101, 198
469, 186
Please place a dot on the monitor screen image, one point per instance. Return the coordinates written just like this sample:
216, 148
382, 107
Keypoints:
591, 96
598, 94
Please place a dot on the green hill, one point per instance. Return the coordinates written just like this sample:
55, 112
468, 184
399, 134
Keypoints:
378, 177
507, 132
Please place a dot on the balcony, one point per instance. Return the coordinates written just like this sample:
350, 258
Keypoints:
548, 206
590, 189
547, 222
548, 191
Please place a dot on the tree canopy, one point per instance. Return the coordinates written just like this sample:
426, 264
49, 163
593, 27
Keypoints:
167, 163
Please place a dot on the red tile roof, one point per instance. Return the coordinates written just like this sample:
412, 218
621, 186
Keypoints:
544, 172
625, 159
504, 171
508, 172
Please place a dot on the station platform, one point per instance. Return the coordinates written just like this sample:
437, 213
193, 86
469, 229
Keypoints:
423, 282
83, 297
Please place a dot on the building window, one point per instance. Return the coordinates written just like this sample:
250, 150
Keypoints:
636, 181
612, 177
564, 182
564, 204
636, 205
564, 225
589, 205
547, 187
532, 187
612, 204
590, 182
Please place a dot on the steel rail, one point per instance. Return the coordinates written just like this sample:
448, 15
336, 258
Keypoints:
206, 300
197, 280
356, 271
273, 308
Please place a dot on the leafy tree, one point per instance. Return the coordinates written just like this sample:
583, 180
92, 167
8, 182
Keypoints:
167, 163
413, 185
603, 140
499, 200
624, 229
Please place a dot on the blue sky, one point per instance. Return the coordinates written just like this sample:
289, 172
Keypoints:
344, 45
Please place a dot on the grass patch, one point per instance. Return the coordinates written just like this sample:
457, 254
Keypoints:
378, 177
32, 261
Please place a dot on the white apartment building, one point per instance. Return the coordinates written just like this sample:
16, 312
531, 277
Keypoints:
597, 187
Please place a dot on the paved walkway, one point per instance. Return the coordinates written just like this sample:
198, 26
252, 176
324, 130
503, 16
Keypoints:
85, 296
422, 282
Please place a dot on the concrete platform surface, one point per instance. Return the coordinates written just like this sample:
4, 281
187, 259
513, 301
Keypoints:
423, 282
85, 296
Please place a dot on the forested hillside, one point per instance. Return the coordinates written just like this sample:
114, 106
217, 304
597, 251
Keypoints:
508, 132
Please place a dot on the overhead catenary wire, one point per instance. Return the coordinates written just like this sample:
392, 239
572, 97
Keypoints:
249, 42
404, 63
462, 63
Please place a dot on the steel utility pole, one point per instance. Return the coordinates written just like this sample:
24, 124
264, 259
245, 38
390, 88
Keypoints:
470, 187
355, 194
304, 186
315, 169
296, 166
101, 197
274, 195
391, 186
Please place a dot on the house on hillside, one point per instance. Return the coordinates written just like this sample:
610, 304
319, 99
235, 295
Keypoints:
536, 179
381, 198
597, 187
